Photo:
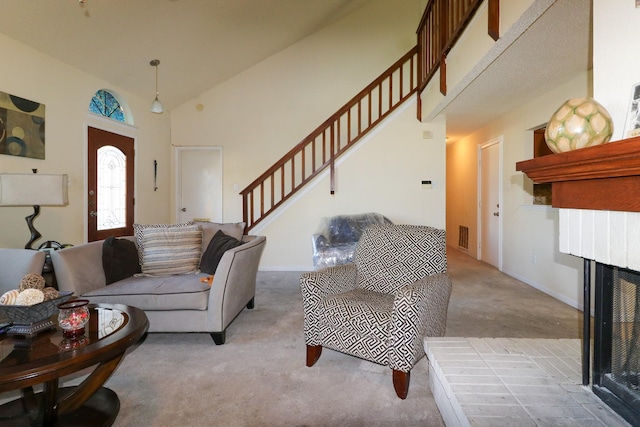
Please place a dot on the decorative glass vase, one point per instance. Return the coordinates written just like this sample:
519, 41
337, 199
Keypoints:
73, 316
578, 123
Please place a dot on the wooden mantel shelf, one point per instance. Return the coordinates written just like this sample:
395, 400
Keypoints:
604, 177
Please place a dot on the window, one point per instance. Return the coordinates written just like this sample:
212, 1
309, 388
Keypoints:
105, 104
112, 187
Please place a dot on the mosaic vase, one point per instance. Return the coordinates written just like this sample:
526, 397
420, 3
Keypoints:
578, 123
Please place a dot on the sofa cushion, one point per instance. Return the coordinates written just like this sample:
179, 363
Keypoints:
169, 249
209, 229
217, 247
119, 259
182, 292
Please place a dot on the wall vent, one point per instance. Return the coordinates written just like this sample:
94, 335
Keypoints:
463, 238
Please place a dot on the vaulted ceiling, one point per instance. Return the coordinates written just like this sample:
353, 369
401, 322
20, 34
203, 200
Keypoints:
199, 43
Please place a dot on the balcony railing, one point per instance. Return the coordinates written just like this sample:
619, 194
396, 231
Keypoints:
441, 25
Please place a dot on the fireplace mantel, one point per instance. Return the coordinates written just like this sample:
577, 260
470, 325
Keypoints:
603, 177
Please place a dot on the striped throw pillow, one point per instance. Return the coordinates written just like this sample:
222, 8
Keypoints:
169, 249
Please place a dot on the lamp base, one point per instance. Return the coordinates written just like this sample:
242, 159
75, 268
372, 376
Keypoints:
35, 234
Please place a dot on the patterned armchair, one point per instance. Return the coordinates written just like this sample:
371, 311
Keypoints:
380, 307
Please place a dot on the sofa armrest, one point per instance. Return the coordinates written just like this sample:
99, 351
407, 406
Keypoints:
79, 268
234, 284
16, 263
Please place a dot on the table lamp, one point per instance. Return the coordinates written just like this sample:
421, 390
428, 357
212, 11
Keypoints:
35, 190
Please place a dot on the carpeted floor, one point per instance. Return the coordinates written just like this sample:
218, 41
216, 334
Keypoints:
259, 377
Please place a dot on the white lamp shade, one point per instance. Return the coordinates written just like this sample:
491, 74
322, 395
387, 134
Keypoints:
33, 189
156, 106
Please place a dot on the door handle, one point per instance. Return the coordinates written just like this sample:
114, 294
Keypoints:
183, 209
496, 214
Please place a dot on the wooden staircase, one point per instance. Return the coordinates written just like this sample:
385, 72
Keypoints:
331, 139
441, 25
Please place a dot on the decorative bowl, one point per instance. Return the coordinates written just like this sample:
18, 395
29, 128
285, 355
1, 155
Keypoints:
578, 123
72, 317
29, 314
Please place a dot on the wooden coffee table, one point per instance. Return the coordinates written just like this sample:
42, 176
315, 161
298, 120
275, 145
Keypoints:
46, 358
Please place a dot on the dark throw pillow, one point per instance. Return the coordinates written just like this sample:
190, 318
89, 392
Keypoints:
119, 259
219, 244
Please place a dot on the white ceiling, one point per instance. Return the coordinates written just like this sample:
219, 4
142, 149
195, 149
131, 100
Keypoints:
199, 43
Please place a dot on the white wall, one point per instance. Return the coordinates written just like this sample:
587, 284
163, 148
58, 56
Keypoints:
616, 65
260, 114
384, 175
66, 93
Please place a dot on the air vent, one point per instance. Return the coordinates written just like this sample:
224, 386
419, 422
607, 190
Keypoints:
463, 238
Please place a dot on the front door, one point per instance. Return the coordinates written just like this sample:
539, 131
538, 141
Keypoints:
110, 184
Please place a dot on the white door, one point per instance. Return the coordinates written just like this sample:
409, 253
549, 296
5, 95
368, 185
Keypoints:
199, 186
490, 250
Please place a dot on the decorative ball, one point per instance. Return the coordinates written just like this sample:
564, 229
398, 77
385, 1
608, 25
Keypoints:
50, 293
578, 123
32, 281
30, 297
9, 297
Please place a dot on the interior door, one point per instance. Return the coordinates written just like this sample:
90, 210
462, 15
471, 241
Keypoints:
199, 195
110, 167
490, 211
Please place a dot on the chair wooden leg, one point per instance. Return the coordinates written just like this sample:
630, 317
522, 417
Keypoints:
401, 383
313, 354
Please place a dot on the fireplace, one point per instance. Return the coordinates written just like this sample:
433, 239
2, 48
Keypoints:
598, 192
616, 370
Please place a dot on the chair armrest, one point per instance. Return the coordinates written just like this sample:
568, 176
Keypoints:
234, 283
16, 263
419, 310
315, 286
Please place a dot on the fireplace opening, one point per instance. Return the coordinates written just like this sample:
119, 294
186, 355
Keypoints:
616, 371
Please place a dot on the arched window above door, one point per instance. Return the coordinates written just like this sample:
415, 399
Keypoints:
107, 104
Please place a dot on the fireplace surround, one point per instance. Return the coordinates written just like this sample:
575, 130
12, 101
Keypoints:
598, 192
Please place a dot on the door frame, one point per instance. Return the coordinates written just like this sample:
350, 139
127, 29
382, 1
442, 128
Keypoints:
108, 125
177, 156
499, 141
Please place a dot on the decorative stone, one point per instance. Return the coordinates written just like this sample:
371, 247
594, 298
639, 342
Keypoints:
32, 281
578, 123
30, 297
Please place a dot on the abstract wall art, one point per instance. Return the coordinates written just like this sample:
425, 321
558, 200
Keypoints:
21, 127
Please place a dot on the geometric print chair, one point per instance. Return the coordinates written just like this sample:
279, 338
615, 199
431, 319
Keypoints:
381, 306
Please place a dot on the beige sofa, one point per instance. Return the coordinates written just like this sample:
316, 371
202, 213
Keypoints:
174, 303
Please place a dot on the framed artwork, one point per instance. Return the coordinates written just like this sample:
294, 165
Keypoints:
21, 127
632, 123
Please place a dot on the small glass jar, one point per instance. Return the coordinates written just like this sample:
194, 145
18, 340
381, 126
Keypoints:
73, 316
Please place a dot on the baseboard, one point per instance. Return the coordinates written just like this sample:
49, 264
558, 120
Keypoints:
559, 297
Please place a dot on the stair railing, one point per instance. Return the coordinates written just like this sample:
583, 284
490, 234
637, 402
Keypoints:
332, 138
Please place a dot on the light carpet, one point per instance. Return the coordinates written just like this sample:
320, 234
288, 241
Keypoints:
259, 377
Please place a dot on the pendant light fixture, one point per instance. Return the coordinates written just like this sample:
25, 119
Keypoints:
156, 106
